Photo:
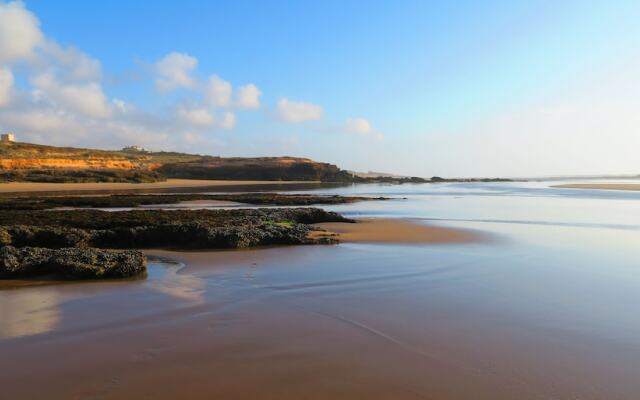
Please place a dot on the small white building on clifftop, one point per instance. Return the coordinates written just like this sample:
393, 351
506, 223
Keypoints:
7, 137
135, 149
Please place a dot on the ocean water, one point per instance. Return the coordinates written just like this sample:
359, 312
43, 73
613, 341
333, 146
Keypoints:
546, 308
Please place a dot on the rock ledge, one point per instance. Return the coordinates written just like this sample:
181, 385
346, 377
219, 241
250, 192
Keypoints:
70, 263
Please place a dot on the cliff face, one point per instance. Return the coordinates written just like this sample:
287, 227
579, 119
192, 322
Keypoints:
91, 163
263, 168
31, 162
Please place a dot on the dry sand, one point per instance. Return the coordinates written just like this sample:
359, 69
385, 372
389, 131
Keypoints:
169, 183
605, 186
394, 231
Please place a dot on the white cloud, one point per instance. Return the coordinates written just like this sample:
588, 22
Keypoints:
76, 64
249, 96
122, 106
40, 121
203, 118
174, 71
362, 127
218, 91
22, 40
298, 111
197, 140
19, 32
84, 98
6, 85
53, 93
228, 120
197, 116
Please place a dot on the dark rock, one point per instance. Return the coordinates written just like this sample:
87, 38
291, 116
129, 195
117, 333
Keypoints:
237, 228
52, 237
136, 200
95, 263
19, 262
70, 263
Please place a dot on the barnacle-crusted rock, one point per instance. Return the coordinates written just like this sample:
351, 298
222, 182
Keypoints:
69, 243
205, 229
70, 263
48, 236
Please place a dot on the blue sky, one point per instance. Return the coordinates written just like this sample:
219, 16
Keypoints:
468, 88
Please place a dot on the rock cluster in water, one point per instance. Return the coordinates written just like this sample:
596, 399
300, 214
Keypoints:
137, 200
204, 229
66, 242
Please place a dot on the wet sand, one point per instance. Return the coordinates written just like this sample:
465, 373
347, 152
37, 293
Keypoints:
306, 322
601, 186
195, 204
543, 315
394, 231
12, 187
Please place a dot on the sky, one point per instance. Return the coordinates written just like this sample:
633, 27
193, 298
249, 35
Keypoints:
423, 88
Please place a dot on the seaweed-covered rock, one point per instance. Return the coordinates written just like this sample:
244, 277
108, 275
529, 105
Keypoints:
70, 263
137, 200
236, 228
95, 263
49, 236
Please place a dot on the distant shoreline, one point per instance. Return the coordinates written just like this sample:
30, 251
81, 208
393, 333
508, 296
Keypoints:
600, 186
11, 187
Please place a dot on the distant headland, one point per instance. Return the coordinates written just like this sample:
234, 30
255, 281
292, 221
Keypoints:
28, 162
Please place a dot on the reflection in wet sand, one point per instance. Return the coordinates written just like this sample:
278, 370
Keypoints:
28, 312
543, 314
179, 286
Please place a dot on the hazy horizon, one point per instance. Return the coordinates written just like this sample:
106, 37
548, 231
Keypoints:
465, 89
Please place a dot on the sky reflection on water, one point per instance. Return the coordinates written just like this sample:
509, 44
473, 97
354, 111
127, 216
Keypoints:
548, 305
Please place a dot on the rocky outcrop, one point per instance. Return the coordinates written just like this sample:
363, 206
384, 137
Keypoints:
53, 237
203, 229
70, 243
136, 200
70, 263
259, 168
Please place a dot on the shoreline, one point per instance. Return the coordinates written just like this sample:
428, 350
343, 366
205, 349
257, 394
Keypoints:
27, 187
373, 231
393, 231
600, 186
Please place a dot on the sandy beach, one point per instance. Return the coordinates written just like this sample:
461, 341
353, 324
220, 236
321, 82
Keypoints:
12, 187
404, 309
394, 231
601, 186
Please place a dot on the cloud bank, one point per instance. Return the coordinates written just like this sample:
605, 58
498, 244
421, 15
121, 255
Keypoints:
174, 72
298, 111
19, 32
6, 85
362, 127
55, 93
